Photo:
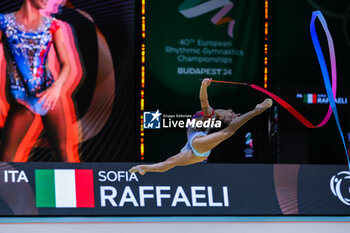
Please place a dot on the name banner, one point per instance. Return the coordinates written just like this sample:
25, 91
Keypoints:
57, 189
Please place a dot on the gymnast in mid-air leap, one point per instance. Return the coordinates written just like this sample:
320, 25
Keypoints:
200, 139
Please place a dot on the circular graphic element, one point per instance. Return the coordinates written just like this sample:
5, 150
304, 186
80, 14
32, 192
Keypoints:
339, 185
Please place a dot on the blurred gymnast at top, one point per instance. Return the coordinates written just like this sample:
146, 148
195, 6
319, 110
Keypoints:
27, 36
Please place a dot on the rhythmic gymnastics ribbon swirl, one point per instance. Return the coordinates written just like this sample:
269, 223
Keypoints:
192, 8
331, 89
331, 95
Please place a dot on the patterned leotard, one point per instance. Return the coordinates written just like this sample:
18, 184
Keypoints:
26, 55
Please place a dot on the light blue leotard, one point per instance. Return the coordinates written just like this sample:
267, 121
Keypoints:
192, 133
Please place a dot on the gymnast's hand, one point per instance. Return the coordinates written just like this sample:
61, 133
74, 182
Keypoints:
206, 82
50, 97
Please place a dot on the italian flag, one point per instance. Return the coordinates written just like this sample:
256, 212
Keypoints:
310, 98
64, 188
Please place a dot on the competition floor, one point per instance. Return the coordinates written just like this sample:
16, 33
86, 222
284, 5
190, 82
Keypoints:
264, 224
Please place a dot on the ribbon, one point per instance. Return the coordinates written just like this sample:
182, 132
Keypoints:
283, 103
191, 9
331, 89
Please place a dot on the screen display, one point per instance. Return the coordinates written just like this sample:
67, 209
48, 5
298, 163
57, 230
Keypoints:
95, 115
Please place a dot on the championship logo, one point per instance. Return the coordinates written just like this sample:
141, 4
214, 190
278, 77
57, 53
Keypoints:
340, 186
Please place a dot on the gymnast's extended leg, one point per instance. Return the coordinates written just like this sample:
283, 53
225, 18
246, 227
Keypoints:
206, 143
183, 158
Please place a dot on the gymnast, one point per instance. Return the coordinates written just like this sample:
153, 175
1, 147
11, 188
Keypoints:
27, 37
201, 140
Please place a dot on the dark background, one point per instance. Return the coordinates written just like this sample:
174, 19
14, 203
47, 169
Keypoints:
294, 69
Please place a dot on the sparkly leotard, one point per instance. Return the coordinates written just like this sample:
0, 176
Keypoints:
26, 55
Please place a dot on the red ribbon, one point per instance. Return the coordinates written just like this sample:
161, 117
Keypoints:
284, 104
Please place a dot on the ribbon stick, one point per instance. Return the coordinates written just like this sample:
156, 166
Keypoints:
228, 82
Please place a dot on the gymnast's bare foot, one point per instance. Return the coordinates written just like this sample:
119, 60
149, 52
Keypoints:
140, 169
260, 108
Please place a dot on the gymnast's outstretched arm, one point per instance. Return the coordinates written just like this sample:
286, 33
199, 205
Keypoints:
203, 97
